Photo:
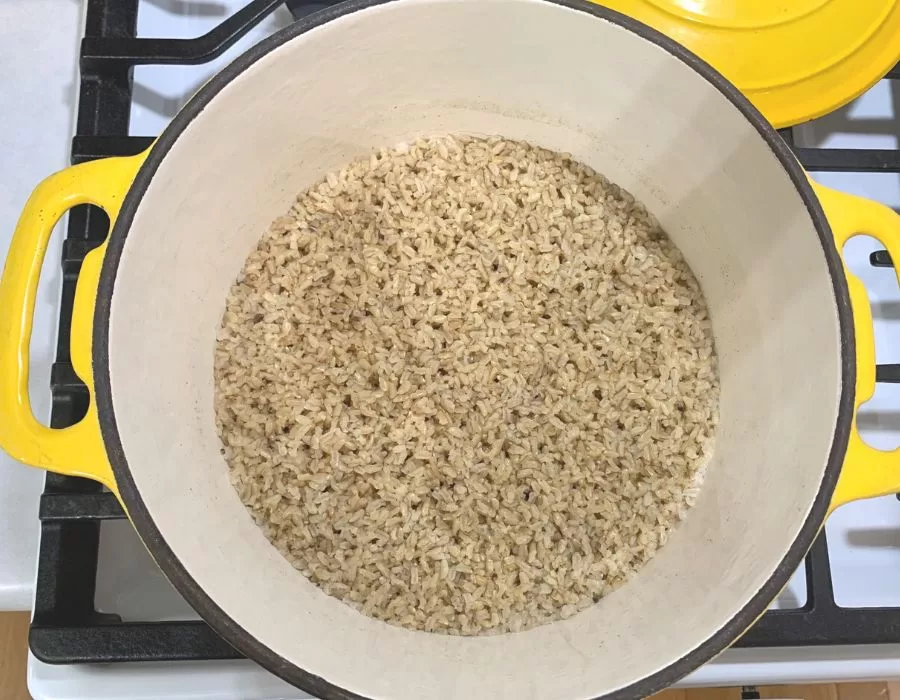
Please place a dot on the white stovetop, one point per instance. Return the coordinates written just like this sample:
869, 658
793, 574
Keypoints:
36, 108
37, 53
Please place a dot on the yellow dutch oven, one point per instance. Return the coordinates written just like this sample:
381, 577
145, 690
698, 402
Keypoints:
792, 327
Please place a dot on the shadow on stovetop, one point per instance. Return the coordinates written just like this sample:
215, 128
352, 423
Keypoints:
871, 115
206, 16
788, 600
878, 420
190, 8
129, 583
870, 125
874, 537
886, 310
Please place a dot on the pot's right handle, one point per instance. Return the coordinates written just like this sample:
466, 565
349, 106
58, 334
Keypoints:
867, 472
77, 450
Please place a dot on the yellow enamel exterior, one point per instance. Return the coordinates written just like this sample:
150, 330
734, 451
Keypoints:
866, 472
77, 450
794, 59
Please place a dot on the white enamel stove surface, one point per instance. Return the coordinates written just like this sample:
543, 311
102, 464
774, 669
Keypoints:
38, 55
864, 539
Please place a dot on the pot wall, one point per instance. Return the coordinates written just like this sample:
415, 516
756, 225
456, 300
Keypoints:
559, 78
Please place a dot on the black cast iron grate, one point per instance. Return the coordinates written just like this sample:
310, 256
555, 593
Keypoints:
66, 627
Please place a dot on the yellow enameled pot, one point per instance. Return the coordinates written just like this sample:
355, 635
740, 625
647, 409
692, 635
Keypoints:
792, 327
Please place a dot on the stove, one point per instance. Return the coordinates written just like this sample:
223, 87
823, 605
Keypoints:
106, 622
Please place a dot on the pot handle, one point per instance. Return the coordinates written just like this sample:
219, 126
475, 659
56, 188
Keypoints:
77, 450
867, 472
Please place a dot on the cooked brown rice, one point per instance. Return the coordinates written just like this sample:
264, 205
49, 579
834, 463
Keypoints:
466, 385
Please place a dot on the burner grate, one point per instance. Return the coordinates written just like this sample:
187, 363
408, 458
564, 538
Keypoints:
66, 627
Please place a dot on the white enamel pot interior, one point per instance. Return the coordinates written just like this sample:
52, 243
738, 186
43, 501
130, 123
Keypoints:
563, 75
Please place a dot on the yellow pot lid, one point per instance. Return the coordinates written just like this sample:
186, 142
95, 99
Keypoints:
795, 59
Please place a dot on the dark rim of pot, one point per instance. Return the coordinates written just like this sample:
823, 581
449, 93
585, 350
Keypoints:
243, 641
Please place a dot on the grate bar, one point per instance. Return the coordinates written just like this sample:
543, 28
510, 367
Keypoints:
89, 147
99, 52
819, 587
57, 507
128, 641
849, 159
802, 628
887, 374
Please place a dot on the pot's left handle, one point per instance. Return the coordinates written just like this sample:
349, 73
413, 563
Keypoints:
77, 450
866, 472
